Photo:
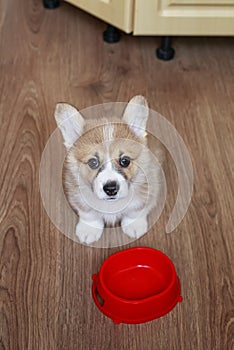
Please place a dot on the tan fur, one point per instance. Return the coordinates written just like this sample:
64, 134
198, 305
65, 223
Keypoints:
92, 142
93, 137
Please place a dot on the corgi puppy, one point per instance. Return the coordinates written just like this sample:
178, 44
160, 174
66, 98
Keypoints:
109, 174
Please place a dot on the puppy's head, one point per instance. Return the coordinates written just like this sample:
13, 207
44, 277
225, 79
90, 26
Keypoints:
104, 153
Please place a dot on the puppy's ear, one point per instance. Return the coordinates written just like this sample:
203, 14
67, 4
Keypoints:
136, 115
70, 123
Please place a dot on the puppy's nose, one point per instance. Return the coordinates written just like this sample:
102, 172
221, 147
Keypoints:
111, 188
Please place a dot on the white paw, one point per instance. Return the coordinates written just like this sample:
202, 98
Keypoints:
134, 228
87, 233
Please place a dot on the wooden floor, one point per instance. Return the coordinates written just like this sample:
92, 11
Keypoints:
45, 278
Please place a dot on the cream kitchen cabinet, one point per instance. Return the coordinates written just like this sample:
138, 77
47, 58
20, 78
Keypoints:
119, 13
184, 17
164, 17
160, 17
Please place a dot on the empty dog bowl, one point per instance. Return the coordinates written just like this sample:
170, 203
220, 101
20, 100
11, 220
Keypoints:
136, 285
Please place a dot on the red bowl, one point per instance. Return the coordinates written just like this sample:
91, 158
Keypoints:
136, 285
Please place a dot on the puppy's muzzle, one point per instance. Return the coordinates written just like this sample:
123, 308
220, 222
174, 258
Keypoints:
111, 188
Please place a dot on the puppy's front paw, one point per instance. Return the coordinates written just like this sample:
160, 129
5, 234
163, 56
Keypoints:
134, 228
88, 233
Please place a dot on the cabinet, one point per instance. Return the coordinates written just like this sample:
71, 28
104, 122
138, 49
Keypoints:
184, 17
119, 13
164, 17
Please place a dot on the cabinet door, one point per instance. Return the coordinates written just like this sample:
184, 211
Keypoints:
184, 17
116, 12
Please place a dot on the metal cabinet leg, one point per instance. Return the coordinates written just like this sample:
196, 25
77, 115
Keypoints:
111, 34
51, 4
165, 52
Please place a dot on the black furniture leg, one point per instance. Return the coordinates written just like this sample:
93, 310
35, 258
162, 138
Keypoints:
165, 52
111, 34
51, 4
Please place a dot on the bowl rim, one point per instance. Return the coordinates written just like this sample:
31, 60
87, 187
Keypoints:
174, 278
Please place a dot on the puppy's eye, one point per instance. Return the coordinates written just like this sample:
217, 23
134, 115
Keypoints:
124, 161
93, 163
